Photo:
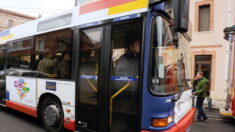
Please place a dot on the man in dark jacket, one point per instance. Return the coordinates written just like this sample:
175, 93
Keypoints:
201, 85
128, 64
47, 65
63, 69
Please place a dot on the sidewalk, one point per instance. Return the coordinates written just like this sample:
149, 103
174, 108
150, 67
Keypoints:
213, 113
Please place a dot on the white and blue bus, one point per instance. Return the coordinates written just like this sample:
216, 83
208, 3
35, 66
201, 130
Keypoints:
105, 66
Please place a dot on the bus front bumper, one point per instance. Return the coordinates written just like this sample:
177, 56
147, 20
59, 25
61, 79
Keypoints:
183, 124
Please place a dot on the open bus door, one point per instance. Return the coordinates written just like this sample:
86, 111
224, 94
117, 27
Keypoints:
108, 92
3, 58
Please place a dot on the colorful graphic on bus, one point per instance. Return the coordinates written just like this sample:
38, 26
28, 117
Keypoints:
21, 87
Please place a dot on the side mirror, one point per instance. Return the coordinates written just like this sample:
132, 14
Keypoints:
181, 15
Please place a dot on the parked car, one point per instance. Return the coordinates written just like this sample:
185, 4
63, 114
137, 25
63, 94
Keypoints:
16, 72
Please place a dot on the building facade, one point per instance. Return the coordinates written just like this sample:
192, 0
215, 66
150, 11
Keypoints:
208, 47
10, 19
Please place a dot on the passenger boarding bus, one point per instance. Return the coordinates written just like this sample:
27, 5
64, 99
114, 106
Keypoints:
106, 66
229, 109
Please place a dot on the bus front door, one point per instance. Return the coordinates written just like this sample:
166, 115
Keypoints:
124, 88
108, 84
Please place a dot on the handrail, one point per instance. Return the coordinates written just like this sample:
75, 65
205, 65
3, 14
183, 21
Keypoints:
111, 100
91, 84
51, 75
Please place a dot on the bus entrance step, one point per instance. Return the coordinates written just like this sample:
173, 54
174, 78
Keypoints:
2, 105
225, 112
2, 102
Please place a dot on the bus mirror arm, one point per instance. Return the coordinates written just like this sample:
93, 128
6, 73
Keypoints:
179, 95
181, 92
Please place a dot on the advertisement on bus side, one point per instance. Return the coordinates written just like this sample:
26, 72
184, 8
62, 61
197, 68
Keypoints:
22, 90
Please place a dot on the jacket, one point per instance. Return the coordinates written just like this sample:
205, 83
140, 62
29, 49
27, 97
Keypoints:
127, 66
46, 65
201, 87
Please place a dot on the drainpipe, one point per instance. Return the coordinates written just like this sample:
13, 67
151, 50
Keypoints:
229, 57
76, 3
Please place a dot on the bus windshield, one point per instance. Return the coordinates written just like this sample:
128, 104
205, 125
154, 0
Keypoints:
168, 69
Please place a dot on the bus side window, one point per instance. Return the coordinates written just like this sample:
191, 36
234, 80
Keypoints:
52, 54
19, 55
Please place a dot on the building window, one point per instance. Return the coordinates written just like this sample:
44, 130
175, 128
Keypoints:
10, 23
204, 18
39, 45
19, 55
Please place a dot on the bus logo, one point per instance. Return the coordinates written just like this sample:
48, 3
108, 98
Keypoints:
21, 87
51, 86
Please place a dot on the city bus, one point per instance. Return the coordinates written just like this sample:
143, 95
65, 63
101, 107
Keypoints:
106, 66
229, 109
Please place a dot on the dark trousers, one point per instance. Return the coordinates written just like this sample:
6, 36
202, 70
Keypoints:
201, 114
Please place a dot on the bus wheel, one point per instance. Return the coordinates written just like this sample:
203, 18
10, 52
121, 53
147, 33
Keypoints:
52, 115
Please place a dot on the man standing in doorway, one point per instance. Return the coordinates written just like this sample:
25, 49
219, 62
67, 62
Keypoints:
201, 85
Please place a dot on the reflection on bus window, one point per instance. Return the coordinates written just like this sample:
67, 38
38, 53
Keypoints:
168, 70
47, 64
89, 64
20, 54
52, 54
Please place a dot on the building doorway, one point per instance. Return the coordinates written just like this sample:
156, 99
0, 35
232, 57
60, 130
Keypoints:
204, 63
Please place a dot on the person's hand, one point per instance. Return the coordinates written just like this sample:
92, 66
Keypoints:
194, 93
196, 78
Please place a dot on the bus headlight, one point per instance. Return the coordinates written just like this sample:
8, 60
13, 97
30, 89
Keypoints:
163, 122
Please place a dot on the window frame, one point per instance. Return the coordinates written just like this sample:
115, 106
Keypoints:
199, 20
20, 40
37, 44
196, 20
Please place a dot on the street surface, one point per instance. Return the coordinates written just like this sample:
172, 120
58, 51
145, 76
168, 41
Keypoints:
215, 123
13, 121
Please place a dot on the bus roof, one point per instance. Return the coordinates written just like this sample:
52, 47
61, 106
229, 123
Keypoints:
89, 14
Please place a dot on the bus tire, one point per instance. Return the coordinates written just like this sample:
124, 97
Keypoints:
52, 115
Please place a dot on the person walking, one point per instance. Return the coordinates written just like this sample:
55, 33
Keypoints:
201, 85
